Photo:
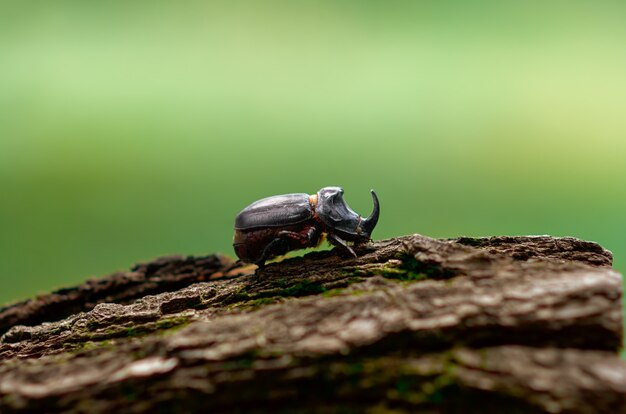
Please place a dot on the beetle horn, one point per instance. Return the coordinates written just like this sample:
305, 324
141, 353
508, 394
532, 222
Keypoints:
370, 222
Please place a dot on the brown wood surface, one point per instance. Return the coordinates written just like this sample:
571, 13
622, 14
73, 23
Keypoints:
500, 324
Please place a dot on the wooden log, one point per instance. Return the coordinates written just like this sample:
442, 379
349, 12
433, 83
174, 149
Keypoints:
530, 324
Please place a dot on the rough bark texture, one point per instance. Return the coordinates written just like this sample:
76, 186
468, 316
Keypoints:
522, 324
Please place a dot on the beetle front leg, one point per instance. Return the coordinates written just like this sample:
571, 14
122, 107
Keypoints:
341, 242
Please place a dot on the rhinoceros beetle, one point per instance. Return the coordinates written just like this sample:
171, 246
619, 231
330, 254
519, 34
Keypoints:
275, 225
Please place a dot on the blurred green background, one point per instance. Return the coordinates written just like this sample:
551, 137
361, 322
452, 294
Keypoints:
130, 130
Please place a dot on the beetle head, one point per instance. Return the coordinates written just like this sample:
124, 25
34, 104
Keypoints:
341, 219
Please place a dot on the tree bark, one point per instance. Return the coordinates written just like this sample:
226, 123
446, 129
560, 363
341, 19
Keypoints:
522, 324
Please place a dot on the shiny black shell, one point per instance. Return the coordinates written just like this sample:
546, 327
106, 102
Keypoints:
275, 211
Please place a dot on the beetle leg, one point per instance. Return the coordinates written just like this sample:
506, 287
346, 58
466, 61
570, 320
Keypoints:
272, 248
268, 250
338, 240
282, 239
294, 235
313, 235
